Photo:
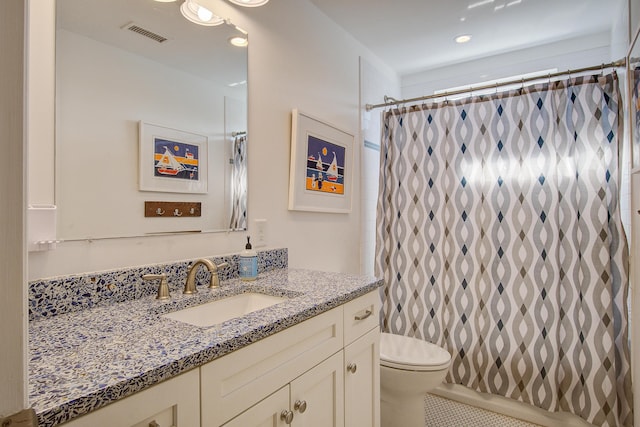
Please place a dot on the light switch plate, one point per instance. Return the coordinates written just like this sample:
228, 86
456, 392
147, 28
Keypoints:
260, 237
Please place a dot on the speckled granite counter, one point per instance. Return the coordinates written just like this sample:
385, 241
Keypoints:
81, 361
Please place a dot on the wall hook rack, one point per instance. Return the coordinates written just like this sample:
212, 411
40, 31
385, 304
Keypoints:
156, 209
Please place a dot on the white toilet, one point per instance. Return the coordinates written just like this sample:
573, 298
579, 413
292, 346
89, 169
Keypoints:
409, 367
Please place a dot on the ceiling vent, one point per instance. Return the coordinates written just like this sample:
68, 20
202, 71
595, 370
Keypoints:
131, 26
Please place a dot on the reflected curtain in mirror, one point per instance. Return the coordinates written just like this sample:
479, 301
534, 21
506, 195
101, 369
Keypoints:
239, 184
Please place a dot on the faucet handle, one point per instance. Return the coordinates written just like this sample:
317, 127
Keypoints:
163, 288
215, 280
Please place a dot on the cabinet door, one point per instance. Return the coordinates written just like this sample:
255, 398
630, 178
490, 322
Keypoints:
237, 381
266, 413
317, 397
175, 402
362, 381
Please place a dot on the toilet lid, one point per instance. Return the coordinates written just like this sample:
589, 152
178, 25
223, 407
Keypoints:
400, 352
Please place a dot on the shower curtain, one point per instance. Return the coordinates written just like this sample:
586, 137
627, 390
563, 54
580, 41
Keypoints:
499, 238
239, 184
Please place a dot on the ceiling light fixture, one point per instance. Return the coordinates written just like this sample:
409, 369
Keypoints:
198, 14
249, 3
239, 41
464, 38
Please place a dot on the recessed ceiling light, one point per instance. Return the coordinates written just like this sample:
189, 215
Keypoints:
239, 41
464, 38
249, 3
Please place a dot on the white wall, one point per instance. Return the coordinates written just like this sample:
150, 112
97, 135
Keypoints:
12, 191
374, 85
298, 58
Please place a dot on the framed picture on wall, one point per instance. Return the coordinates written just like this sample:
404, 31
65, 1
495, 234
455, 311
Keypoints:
320, 173
633, 74
172, 160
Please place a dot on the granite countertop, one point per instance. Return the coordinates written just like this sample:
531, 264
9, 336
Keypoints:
81, 361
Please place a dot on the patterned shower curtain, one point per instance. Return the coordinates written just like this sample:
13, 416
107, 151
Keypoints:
499, 238
239, 184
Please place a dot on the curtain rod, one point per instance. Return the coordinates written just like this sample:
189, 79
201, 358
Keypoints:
390, 101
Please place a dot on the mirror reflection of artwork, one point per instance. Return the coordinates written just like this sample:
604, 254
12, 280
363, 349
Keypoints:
325, 166
175, 159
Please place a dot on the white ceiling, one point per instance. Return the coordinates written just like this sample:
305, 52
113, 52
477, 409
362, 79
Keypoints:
195, 49
417, 35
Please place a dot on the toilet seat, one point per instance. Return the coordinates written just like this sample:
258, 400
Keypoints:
412, 354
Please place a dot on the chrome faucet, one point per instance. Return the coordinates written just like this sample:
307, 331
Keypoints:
214, 282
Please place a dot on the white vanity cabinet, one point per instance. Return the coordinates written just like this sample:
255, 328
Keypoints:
315, 399
328, 366
233, 383
322, 372
172, 403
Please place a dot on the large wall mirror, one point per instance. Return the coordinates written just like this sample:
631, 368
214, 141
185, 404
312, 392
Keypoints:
126, 64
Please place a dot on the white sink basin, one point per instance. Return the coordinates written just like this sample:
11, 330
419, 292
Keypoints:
221, 310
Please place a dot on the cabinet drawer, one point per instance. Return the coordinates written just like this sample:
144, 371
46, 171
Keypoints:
360, 316
174, 402
234, 382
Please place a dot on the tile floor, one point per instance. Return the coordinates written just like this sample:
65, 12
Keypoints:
443, 412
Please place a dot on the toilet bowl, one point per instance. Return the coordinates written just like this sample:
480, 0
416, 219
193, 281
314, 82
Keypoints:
409, 367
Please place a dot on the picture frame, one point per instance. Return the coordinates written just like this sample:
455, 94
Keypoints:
172, 160
321, 166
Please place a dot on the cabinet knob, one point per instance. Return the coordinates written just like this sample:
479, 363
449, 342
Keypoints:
300, 406
286, 416
352, 367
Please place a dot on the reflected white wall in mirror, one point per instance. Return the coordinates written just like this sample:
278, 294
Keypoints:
108, 78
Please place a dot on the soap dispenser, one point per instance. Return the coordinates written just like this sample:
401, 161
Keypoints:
248, 262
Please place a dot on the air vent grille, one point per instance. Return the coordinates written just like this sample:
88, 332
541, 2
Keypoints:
144, 32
